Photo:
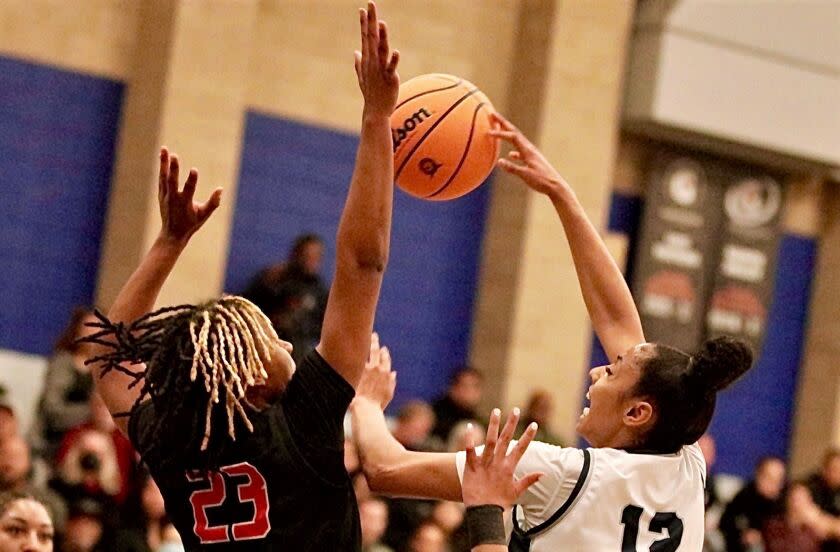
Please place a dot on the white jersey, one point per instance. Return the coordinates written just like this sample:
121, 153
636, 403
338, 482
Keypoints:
608, 500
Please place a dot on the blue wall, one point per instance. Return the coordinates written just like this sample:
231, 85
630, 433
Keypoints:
294, 179
57, 137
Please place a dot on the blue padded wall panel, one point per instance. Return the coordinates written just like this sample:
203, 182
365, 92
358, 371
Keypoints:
58, 132
294, 179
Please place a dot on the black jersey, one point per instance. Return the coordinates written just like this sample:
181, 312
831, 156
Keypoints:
282, 487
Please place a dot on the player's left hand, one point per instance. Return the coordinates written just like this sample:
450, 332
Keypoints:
378, 380
489, 477
376, 65
180, 216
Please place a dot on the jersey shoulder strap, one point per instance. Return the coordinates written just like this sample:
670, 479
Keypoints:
521, 537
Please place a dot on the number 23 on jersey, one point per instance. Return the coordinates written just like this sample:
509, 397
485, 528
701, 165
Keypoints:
250, 489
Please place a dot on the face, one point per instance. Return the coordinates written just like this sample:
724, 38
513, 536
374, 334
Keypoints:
831, 472
311, 256
614, 417
14, 462
466, 391
799, 499
25, 526
428, 538
415, 428
82, 533
770, 479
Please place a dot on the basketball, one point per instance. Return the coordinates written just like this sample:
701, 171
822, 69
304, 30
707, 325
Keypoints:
439, 130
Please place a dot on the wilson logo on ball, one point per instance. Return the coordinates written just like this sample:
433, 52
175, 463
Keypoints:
429, 166
398, 135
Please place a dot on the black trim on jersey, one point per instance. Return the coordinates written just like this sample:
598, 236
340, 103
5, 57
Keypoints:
556, 516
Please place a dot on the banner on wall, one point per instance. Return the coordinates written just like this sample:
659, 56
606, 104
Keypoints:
743, 281
676, 251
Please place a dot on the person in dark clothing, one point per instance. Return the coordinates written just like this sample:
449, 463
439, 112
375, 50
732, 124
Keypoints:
293, 295
824, 487
753, 506
459, 403
246, 446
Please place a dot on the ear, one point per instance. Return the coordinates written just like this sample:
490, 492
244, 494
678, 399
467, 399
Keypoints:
638, 414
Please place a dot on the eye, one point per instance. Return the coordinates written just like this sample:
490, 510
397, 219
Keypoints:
45, 537
15, 531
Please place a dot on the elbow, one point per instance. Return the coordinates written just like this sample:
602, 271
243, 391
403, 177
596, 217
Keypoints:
377, 478
364, 258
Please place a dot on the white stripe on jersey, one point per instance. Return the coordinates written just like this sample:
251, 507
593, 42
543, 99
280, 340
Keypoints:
610, 500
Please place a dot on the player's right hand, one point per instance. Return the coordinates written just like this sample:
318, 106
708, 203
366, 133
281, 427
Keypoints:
376, 65
378, 380
180, 216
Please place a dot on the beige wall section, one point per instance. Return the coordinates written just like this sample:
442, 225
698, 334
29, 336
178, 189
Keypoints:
187, 90
577, 130
302, 52
92, 36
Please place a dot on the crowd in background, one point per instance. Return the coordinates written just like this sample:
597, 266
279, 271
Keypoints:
75, 461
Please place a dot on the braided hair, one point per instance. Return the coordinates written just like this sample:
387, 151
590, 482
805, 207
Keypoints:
195, 356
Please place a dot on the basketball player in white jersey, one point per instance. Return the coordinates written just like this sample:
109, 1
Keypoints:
640, 485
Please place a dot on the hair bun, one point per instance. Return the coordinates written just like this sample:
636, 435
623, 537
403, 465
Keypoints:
720, 362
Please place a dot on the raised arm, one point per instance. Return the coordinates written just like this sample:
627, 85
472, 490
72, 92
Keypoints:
181, 217
607, 297
364, 231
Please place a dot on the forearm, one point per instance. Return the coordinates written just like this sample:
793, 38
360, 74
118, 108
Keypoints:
609, 302
365, 227
377, 448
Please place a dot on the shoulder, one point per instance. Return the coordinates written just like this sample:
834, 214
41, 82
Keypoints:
315, 372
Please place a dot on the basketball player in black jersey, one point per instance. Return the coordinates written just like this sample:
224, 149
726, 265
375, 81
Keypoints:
246, 447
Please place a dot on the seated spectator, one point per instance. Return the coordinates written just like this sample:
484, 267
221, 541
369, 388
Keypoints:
802, 527
17, 474
460, 401
373, 514
753, 506
101, 422
449, 516
539, 409
8, 420
67, 388
155, 533
25, 523
413, 427
428, 537
825, 491
293, 295
86, 529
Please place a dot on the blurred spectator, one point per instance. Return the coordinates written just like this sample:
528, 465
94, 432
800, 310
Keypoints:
825, 491
373, 514
460, 401
413, 427
89, 470
457, 437
713, 541
405, 515
101, 422
85, 527
25, 523
753, 506
428, 537
155, 533
8, 420
802, 527
293, 295
449, 516
540, 408
67, 388
16, 474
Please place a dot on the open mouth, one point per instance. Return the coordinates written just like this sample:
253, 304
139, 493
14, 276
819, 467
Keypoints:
585, 411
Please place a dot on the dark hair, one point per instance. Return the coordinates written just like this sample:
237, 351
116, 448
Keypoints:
200, 360
9, 497
465, 370
830, 455
300, 243
682, 389
67, 341
764, 460
412, 408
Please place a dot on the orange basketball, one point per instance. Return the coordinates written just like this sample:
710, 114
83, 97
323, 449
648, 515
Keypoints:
439, 130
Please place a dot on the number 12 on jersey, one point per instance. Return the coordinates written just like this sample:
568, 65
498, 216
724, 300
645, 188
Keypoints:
630, 517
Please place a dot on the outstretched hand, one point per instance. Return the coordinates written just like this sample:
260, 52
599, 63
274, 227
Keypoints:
489, 477
376, 65
525, 160
378, 382
181, 217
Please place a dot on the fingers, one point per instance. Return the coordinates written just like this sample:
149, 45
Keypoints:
357, 63
189, 185
513, 154
492, 435
385, 360
172, 180
383, 48
504, 123
524, 441
469, 441
522, 171
204, 211
363, 22
507, 433
513, 136
522, 485
163, 175
392, 64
